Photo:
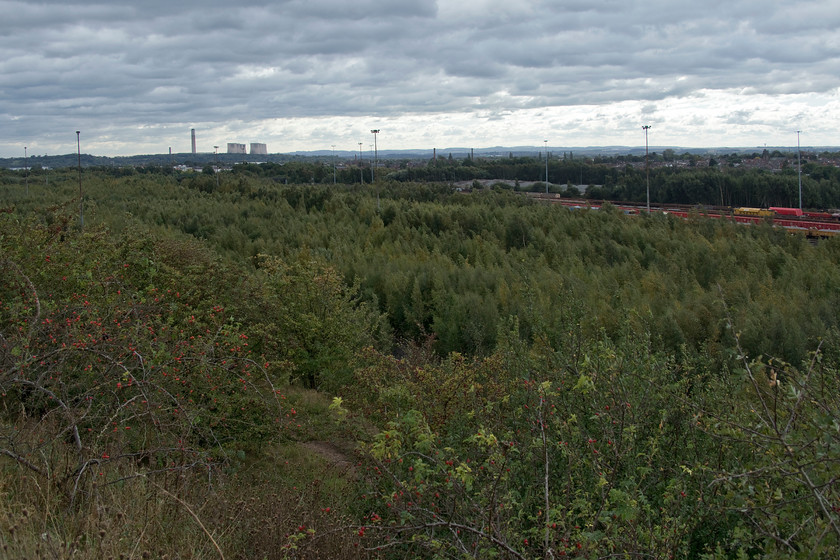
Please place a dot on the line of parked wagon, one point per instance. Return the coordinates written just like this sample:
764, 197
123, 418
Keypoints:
812, 223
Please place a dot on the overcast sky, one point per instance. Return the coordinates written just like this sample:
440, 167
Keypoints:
134, 77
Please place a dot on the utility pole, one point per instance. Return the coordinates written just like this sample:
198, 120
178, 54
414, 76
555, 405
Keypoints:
333, 158
26, 172
647, 167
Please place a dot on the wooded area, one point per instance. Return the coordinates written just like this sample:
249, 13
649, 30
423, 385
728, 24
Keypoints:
523, 380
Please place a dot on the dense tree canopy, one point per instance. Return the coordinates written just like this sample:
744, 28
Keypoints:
526, 380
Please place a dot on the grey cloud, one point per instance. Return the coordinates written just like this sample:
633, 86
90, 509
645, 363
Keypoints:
213, 61
363, 9
739, 117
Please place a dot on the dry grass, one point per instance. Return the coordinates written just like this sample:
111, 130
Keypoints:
252, 508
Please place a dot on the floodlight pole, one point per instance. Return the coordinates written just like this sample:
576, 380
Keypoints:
81, 197
546, 165
799, 164
361, 171
375, 153
216, 168
647, 167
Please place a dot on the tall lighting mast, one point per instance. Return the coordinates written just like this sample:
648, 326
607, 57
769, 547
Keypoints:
81, 198
216, 160
647, 167
361, 169
375, 153
546, 165
799, 164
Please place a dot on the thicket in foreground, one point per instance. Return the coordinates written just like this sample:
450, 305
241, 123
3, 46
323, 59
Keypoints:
135, 418
607, 452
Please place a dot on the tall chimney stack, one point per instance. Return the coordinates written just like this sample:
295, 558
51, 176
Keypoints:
192, 133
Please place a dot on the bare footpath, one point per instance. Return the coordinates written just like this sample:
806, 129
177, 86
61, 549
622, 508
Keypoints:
334, 455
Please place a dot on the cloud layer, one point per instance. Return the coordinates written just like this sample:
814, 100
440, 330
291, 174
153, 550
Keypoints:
310, 74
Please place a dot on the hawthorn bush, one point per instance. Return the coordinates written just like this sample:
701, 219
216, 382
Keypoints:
116, 371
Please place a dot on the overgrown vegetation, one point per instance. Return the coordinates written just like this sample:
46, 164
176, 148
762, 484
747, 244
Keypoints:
525, 381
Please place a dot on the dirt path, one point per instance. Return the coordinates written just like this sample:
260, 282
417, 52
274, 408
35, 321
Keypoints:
333, 455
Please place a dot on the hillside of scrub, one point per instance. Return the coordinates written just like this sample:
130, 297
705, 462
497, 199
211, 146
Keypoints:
407, 371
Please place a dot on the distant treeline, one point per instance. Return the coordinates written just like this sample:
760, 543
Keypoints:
161, 161
718, 182
723, 180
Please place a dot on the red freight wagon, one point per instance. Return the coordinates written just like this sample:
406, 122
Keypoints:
786, 211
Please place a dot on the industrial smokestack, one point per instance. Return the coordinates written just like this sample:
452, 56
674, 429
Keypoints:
192, 133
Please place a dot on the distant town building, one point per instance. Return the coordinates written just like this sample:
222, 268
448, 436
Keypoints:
236, 148
257, 149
